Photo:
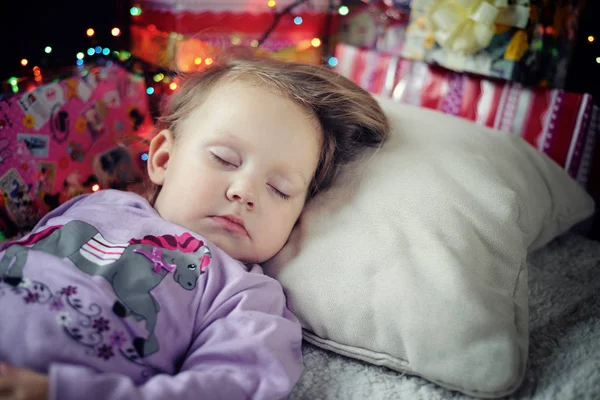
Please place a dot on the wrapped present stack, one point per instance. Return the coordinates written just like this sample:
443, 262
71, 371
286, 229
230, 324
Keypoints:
500, 63
187, 34
72, 136
526, 41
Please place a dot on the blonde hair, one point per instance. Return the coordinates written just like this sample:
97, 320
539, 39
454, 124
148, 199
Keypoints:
349, 117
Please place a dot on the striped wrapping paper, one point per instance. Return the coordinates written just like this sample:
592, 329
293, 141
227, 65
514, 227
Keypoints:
560, 124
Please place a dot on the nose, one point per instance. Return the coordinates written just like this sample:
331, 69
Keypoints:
241, 191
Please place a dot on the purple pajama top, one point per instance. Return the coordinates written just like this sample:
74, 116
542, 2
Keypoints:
115, 303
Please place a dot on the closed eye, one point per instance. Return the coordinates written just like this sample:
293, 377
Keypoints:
279, 193
222, 161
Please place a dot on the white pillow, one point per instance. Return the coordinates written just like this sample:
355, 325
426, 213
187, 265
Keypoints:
416, 258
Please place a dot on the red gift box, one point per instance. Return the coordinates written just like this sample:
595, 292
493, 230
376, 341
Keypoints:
183, 34
560, 124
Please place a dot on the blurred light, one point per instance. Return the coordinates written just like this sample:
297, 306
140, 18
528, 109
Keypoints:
197, 61
316, 42
90, 32
150, 90
15, 88
135, 11
12, 80
48, 49
24, 62
208, 61
271, 3
36, 71
343, 10
332, 61
98, 49
598, 60
80, 56
159, 77
591, 39
124, 55
254, 43
235, 40
145, 157
95, 187
106, 51
79, 62
173, 86
298, 20
115, 31
90, 51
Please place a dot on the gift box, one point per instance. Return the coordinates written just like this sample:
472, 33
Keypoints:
188, 34
377, 26
560, 124
72, 136
525, 41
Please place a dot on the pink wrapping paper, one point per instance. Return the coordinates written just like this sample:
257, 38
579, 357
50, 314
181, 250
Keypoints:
63, 138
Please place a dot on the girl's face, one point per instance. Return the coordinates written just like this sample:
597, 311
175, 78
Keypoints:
240, 170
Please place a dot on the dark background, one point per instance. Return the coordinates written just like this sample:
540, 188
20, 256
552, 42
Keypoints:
29, 26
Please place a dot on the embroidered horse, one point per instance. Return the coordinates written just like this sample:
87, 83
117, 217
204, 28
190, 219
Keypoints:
133, 269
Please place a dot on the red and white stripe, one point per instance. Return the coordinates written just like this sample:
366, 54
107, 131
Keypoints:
102, 252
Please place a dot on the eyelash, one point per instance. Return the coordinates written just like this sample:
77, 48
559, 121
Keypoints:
277, 192
282, 195
221, 161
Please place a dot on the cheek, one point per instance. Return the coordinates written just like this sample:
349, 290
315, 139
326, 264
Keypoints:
282, 221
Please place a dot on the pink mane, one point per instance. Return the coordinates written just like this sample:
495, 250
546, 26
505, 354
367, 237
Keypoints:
33, 238
185, 243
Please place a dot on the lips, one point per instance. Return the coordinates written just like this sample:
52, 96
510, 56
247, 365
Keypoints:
231, 223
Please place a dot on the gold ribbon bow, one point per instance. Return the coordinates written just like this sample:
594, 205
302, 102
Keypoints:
467, 26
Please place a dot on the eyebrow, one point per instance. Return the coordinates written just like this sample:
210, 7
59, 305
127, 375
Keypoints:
295, 172
232, 137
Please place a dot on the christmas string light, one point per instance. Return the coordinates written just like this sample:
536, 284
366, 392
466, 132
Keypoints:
13, 82
135, 11
277, 18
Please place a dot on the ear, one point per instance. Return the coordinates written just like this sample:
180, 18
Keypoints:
159, 154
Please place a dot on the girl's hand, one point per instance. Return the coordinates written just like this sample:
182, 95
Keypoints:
22, 384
